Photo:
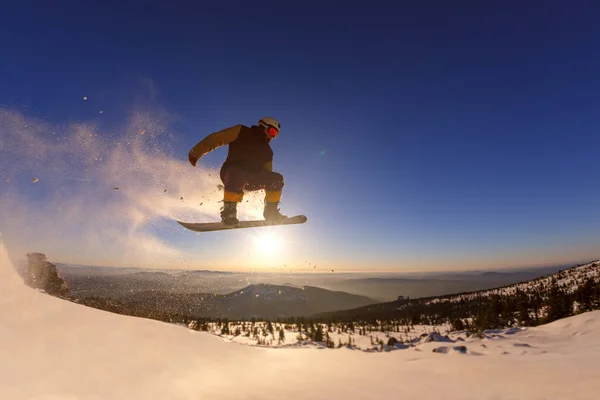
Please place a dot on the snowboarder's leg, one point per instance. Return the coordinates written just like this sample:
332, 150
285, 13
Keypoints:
273, 183
234, 179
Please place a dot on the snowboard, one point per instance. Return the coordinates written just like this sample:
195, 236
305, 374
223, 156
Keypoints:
218, 226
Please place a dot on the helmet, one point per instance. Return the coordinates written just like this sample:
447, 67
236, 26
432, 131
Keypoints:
271, 125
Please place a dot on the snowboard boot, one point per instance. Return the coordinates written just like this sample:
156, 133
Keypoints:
271, 212
229, 213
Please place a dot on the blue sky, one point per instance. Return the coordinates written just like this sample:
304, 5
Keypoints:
414, 136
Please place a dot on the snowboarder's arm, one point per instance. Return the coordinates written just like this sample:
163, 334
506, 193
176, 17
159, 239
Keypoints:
212, 141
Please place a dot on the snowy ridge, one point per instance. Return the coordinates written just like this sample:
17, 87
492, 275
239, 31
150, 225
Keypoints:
568, 279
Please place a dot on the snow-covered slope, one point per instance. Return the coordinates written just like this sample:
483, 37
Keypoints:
570, 279
55, 349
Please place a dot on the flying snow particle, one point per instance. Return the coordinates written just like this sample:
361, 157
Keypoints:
142, 132
85, 97
116, 188
182, 198
101, 111
35, 180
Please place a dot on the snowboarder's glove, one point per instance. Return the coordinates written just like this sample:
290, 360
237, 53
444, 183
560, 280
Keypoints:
193, 160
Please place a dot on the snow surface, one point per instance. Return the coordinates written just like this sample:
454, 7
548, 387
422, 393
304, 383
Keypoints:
54, 349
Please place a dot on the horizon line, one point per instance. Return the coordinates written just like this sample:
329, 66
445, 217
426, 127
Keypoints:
334, 271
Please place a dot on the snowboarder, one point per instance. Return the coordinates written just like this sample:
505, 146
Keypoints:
248, 167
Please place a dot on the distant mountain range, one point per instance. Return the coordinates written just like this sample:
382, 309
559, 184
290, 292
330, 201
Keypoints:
173, 296
566, 290
386, 288
115, 281
261, 301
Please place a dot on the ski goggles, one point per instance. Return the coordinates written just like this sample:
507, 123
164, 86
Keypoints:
272, 131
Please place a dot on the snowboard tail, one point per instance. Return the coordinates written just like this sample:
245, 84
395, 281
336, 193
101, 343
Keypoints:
218, 226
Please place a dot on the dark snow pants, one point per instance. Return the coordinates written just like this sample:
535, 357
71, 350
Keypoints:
236, 180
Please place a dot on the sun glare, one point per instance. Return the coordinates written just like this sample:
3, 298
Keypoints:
268, 243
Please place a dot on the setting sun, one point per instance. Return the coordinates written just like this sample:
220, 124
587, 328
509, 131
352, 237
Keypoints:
267, 243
